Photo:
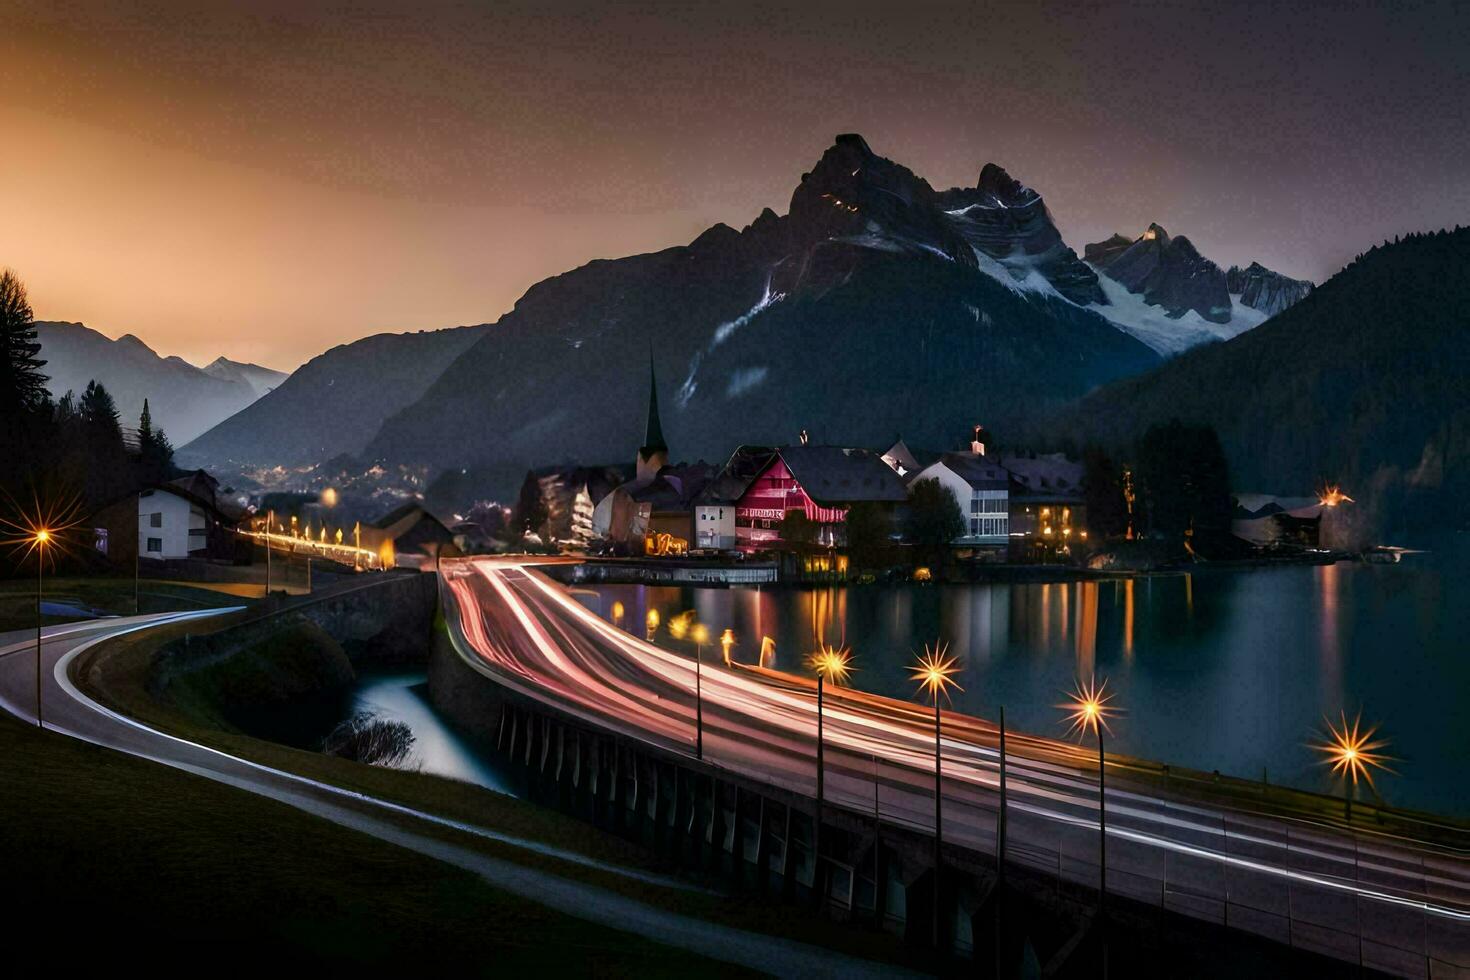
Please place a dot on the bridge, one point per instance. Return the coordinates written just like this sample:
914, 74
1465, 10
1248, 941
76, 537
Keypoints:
1390, 897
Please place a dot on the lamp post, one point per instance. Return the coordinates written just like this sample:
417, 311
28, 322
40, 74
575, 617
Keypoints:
700, 635
830, 664
137, 610
934, 673
1352, 752
42, 538
1088, 710
270, 520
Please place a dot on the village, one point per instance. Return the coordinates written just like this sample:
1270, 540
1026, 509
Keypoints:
795, 512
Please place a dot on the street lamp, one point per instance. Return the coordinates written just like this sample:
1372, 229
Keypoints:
42, 538
699, 633
831, 664
1352, 752
1088, 710
933, 671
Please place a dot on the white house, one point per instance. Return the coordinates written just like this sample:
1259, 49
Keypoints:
171, 524
981, 486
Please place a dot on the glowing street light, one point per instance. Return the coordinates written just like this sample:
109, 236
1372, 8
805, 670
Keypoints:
727, 643
832, 665
934, 672
43, 538
650, 623
41, 529
1352, 752
1088, 711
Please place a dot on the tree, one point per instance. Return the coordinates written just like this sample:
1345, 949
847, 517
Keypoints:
27, 444
1102, 484
104, 457
155, 452
22, 385
1185, 481
531, 514
869, 535
934, 520
798, 529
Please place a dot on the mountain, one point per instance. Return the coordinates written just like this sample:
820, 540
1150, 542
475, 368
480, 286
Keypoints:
332, 404
875, 305
1010, 225
1365, 382
1160, 288
261, 380
1261, 289
184, 399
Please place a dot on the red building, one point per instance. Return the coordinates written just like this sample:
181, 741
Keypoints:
821, 482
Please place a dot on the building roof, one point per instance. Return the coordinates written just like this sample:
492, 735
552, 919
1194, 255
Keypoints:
736, 476
410, 526
1046, 478
834, 475
675, 488
910, 460
980, 472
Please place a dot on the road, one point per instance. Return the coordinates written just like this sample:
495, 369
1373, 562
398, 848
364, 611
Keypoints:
1396, 904
69, 711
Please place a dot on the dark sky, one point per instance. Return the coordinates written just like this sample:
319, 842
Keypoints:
265, 182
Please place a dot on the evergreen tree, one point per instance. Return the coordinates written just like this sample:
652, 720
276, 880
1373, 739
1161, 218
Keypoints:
1102, 483
22, 385
1185, 479
934, 520
155, 452
105, 457
531, 514
869, 535
27, 442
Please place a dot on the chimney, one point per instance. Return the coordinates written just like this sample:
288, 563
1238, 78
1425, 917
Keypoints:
976, 445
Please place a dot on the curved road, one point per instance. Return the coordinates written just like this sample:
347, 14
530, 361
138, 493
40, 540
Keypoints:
67, 710
1393, 903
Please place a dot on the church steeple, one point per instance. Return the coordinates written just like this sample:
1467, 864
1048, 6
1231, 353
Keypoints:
654, 454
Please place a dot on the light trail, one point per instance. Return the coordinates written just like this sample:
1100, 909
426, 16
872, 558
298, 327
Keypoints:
531, 634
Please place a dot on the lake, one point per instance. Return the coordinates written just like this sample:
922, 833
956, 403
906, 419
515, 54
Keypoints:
1229, 670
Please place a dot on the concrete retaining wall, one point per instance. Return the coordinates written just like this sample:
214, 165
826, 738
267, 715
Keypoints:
376, 619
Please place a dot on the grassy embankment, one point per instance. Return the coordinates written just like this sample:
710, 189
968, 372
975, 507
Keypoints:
168, 872
112, 596
117, 674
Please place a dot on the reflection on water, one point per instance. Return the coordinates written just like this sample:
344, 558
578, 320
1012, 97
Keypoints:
1227, 670
437, 748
